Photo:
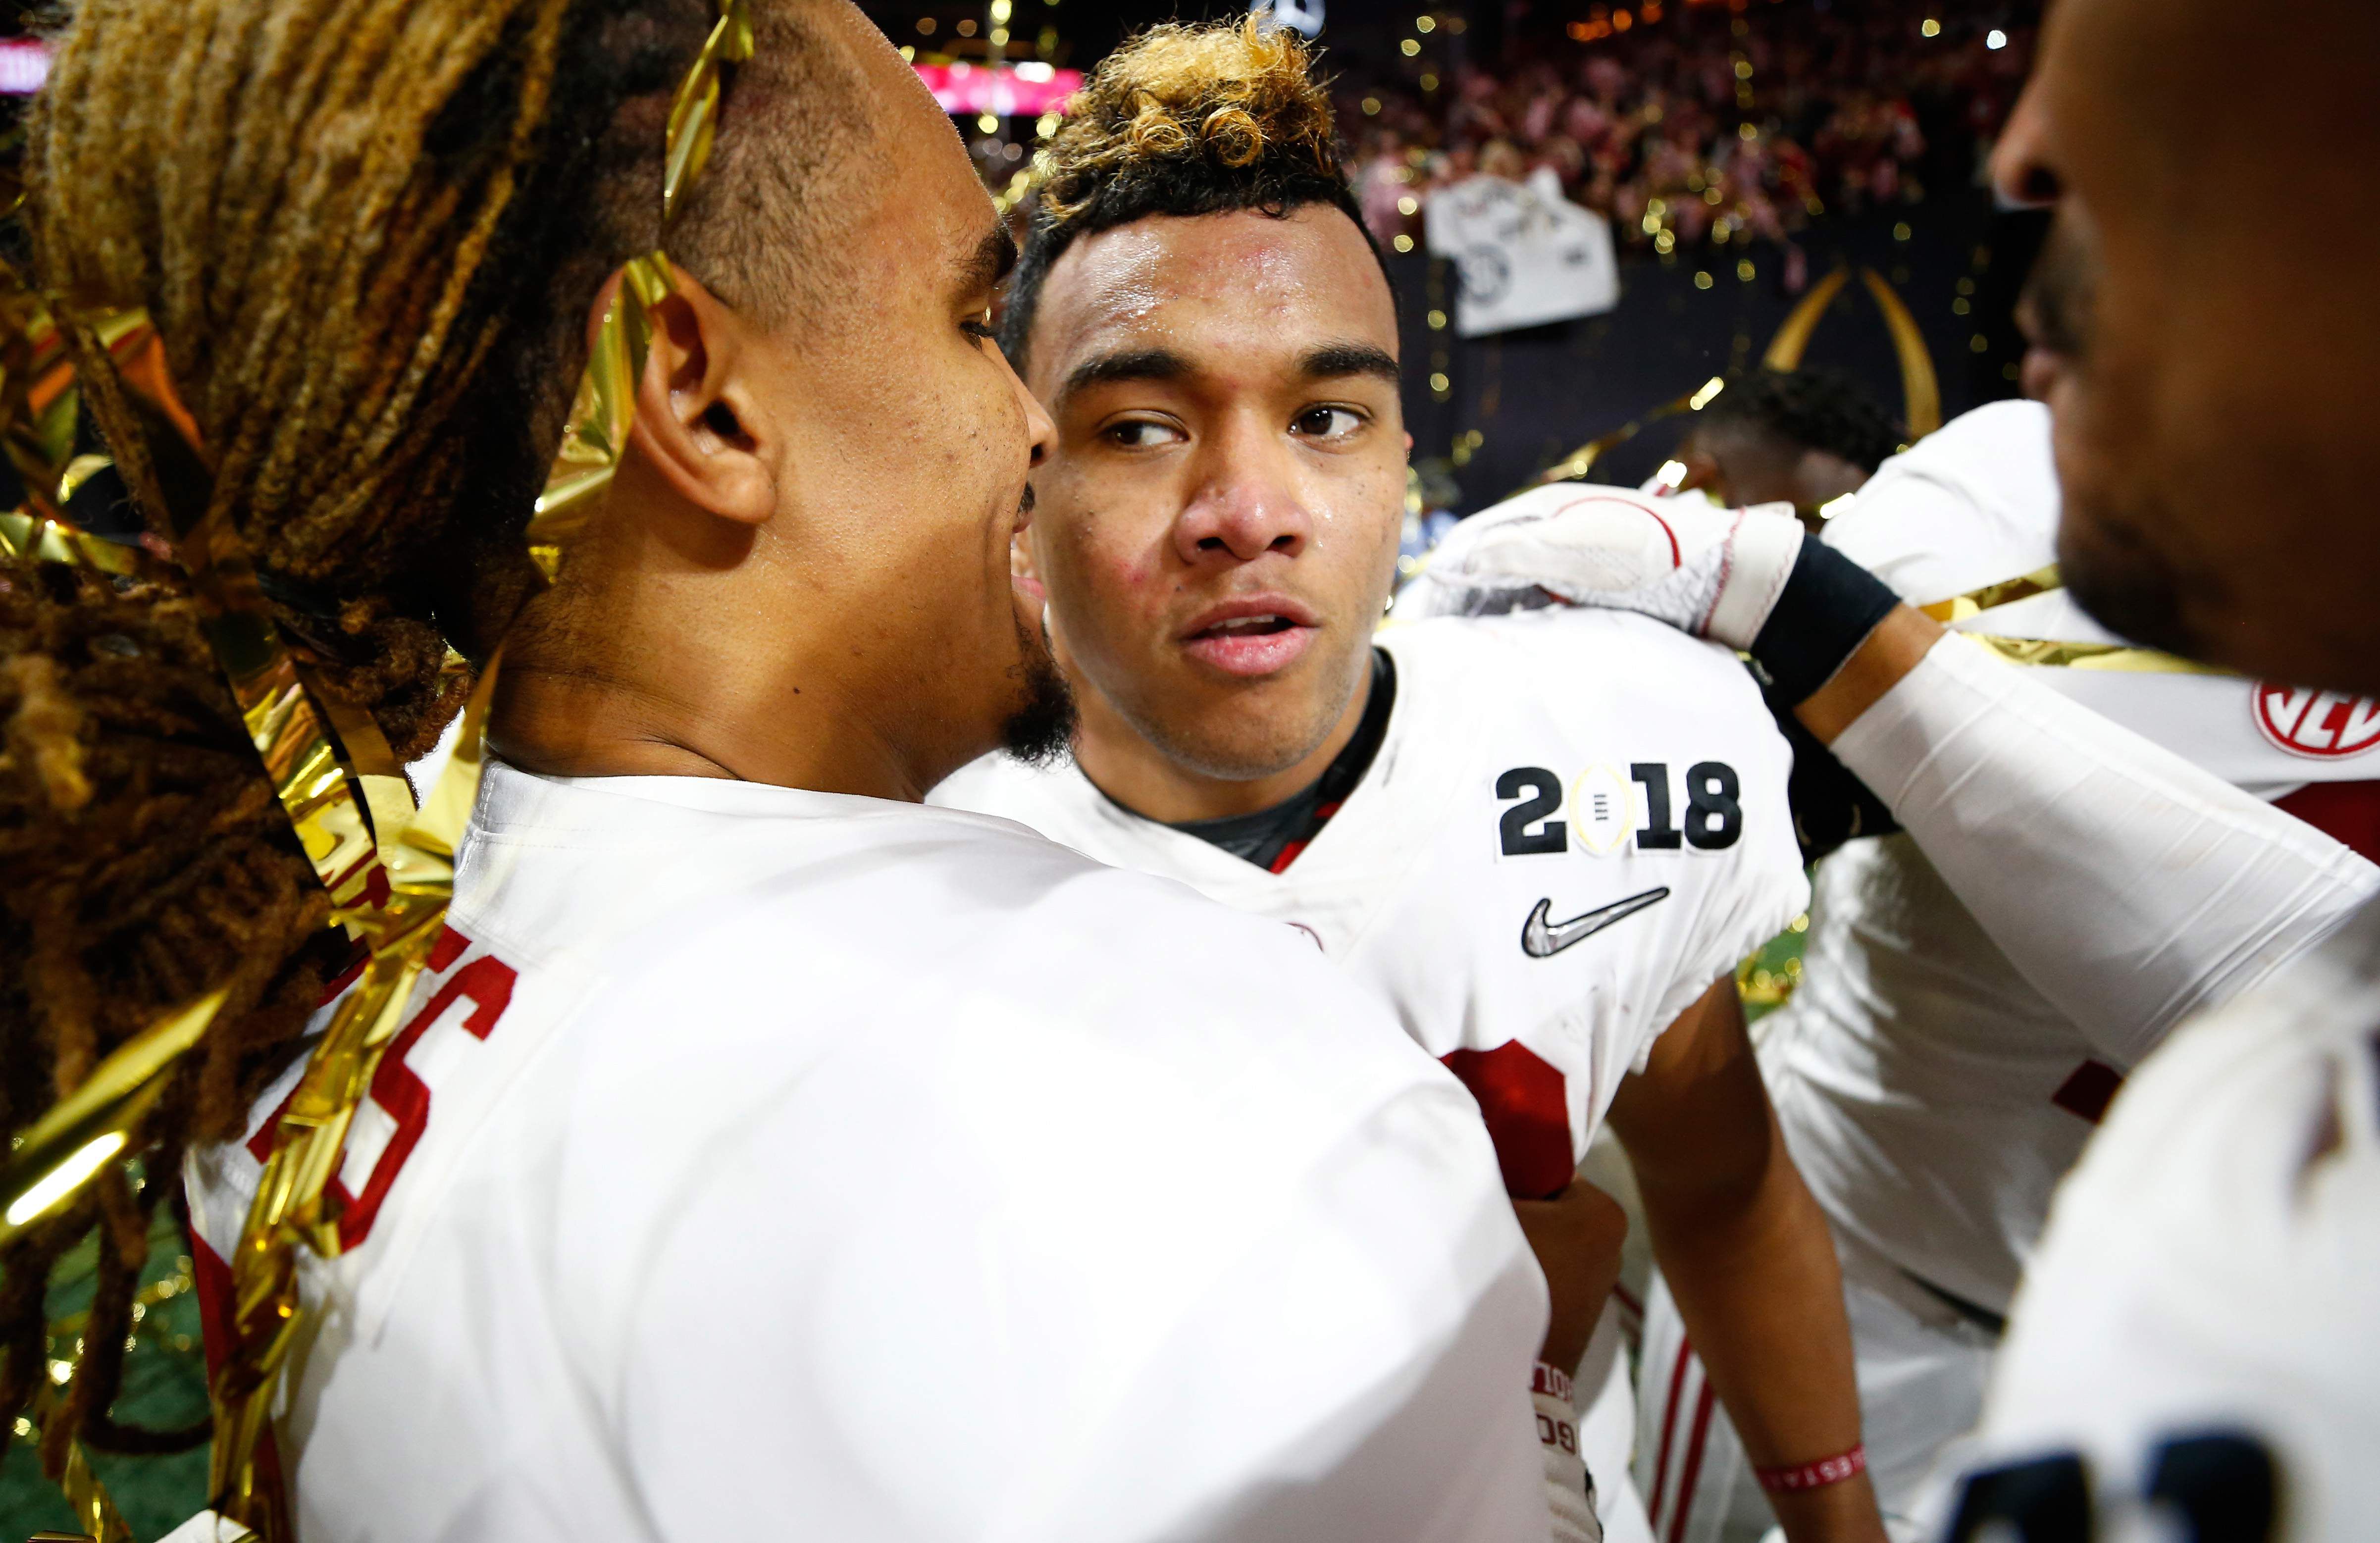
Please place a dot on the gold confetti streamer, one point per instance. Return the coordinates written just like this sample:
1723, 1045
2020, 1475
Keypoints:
388, 866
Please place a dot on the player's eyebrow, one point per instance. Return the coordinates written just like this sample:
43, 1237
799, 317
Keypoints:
1125, 364
986, 267
1332, 360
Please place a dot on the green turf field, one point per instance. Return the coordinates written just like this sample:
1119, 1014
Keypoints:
164, 1386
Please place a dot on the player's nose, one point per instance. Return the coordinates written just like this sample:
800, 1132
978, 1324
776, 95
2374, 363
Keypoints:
1245, 505
1039, 429
2023, 171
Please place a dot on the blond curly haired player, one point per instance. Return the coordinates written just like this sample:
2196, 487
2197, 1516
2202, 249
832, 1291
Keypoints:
1543, 841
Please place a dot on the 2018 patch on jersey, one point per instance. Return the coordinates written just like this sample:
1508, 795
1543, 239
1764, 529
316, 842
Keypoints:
1575, 824
1597, 811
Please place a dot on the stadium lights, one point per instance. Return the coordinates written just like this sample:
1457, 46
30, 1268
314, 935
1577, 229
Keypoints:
1670, 475
1994, 39
1834, 506
1703, 398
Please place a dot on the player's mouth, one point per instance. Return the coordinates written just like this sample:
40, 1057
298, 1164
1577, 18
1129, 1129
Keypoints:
1256, 636
1029, 590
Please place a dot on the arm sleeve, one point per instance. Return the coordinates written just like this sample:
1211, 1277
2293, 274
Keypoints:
1034, 1336
2128, 886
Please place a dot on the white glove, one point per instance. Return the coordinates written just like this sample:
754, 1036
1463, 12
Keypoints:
1711, 572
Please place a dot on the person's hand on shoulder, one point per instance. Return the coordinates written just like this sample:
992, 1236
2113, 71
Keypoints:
1707, 571
1747, 578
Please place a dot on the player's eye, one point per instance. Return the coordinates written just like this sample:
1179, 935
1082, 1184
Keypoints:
1142, 433
1328, 422
979, 327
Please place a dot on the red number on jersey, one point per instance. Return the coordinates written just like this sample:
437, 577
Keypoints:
486, 984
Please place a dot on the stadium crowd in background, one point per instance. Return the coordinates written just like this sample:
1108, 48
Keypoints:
1712, 129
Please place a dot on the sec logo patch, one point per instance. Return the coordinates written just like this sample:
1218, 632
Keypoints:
2322, 724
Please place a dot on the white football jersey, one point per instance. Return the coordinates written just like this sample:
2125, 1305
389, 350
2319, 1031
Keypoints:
2198, 1333
1931, 1097
1976, 503
1575, 823
757, 1161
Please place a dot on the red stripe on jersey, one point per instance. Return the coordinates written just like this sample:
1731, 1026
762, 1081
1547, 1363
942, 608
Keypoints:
259, 1146
212, 1277
1289, 854
2089, 1091
1670, 1424
1693, 1463
2347, 813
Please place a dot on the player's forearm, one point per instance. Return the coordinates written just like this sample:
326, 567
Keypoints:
1753, 1270
1748, 1259
2175, 890
1755, 1280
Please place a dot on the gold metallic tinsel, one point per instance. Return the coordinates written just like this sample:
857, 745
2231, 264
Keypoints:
2051, 652
388, 866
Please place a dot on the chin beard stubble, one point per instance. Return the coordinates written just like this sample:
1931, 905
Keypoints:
2104, 553
2127, 584
1042, 726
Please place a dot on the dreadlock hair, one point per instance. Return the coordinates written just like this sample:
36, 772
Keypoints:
1816, 409
369, 232
1184, 119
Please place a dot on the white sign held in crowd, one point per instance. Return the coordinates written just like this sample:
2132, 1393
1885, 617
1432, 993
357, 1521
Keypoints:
1526, 254
1306, 16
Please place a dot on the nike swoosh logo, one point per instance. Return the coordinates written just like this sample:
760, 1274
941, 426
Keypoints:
1541, 939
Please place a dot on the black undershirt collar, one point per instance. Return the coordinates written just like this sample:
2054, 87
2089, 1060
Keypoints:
1272, 838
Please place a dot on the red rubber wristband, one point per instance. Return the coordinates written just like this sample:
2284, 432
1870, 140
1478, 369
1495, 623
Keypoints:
1795, 1477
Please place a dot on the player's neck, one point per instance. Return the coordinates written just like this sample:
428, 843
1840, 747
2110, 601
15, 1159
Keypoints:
612, 675
1128, 768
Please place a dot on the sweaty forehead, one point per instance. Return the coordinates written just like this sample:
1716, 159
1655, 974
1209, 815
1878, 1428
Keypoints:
1240, 288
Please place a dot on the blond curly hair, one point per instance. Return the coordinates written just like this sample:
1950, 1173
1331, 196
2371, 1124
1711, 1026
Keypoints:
1184, 119
1233, 95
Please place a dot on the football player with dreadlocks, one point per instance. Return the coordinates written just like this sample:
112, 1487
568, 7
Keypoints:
734, 1137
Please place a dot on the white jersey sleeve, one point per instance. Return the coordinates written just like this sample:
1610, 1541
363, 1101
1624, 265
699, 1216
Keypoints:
1972, 503
1976, 503
2198, 1330
2175, 890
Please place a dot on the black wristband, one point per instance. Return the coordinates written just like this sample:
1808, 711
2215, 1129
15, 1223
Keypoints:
1830, 806
1828, 606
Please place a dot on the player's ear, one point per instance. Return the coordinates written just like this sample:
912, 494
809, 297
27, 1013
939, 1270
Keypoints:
698, 422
